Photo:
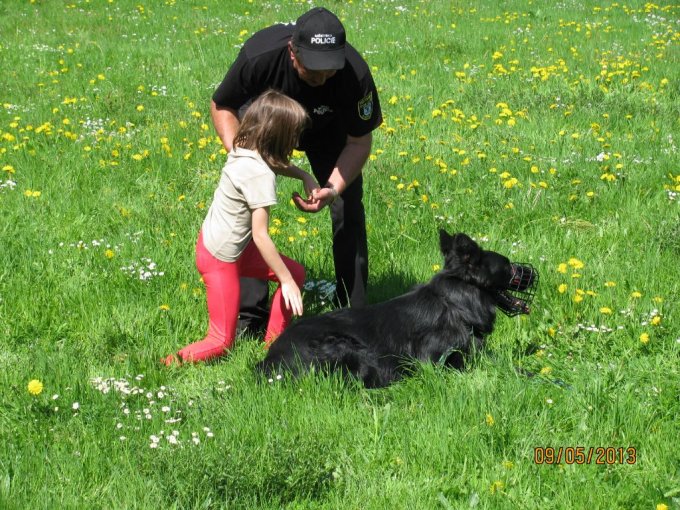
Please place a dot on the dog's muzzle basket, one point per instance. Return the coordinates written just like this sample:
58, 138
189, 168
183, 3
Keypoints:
519, 294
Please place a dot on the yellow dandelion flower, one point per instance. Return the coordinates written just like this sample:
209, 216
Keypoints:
656, 320
605, 310
140, 108
562, 268
546, 371
610, 284
35, 387
636, 295
507, 464
301, 219
661, 506
164, 307
644, 338
497, 486
578, 298
109, 254
562, 288
489, 420
575, 263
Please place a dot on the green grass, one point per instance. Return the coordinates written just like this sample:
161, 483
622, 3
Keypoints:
548, 131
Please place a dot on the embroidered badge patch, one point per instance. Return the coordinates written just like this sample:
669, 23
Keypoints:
366, 107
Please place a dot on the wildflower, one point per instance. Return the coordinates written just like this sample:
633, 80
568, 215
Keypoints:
35, 387
656, 320
575, 263
489, 420
164, 307
497, 486
75, 406
636, 295
562, 288
507, 464
562, 268
109, 254
605, 310
546, 370
644, 338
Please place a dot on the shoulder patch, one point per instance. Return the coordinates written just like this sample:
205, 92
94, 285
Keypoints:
365, 106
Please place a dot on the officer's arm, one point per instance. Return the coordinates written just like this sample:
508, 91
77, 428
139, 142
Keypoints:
226, 123
350, 162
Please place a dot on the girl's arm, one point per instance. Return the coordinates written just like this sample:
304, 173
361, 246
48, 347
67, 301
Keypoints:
308, 180
289, 289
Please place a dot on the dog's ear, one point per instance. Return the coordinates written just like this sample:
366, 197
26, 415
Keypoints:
466, 249
445, 241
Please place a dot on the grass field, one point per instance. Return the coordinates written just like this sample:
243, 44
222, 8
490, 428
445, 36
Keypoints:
548, 131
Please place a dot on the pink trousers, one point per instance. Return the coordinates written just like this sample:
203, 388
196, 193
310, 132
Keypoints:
223, 292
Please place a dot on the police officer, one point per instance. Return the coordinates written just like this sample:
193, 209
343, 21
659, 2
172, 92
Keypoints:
311, 62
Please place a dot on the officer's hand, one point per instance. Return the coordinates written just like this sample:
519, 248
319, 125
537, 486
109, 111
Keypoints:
319, 199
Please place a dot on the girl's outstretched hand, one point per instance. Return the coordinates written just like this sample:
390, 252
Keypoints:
292, 297
311, 185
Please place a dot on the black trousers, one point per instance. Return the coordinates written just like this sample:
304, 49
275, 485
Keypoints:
350, 247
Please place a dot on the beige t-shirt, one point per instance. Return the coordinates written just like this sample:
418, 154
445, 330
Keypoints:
246, 183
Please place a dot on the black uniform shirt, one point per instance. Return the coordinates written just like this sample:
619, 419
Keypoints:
347, 104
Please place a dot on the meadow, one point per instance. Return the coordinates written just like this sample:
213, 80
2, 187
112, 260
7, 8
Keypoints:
548, 131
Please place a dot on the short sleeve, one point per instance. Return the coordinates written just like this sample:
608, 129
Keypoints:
363, 111
260, 190
234, 91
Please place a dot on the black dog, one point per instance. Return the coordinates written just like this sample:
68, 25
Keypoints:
441, 321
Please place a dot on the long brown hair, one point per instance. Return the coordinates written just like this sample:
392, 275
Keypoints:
272, 126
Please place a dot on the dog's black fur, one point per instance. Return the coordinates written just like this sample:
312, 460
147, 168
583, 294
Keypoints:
443, 320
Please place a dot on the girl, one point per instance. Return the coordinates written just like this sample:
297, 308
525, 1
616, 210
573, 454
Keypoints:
234, 239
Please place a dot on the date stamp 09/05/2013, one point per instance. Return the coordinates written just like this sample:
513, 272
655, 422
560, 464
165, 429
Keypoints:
600, 455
